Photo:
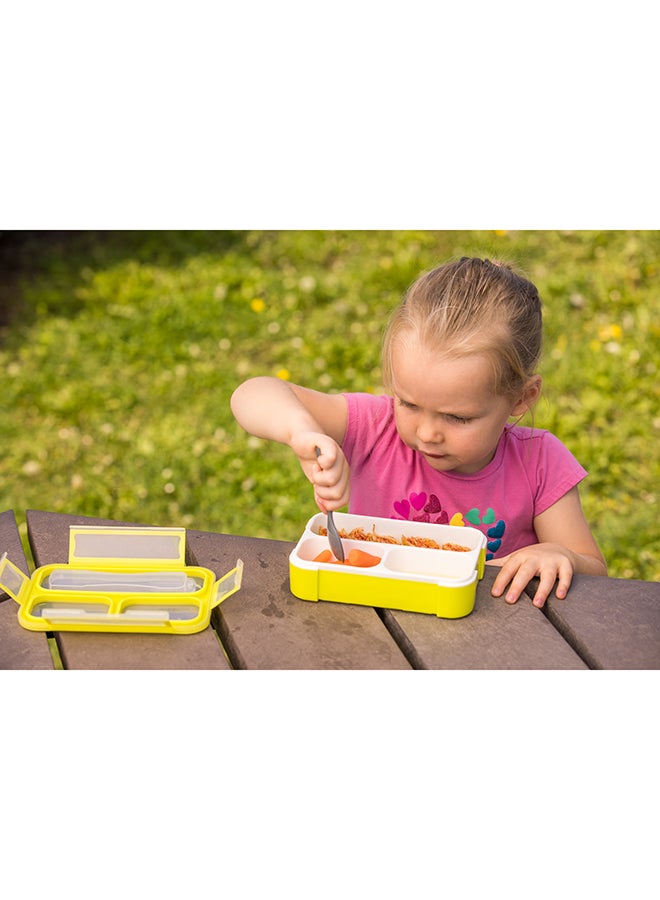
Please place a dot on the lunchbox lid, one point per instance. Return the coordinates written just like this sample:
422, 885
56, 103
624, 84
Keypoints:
110, 547
119, 578
91, 545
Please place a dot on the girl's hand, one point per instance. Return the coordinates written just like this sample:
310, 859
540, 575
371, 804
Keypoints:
578, 552
329, 472
550, 562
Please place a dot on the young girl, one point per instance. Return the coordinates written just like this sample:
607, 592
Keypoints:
459, 359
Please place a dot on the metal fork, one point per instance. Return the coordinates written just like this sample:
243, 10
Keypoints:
333, 534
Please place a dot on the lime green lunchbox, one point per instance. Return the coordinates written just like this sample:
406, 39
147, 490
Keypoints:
123, 579
412, 578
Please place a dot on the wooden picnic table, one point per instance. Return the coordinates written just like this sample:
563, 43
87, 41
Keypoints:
605, 623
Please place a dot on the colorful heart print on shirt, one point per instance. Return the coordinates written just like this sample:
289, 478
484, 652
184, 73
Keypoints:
423, 507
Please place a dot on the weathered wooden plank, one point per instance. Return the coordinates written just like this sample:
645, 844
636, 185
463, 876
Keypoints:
80, 650
49, 539
19, 649
613, 623
264, 626
496, 635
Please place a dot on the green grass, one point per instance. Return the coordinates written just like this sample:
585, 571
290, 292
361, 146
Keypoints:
123, 350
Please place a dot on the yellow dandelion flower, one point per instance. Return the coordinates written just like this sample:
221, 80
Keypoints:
284, 374
501, 232
610, 332
257, 305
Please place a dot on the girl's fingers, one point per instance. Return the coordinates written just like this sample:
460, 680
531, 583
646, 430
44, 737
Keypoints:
560, 572
517, 571
546, 583
504, 576
565, 579
515, 577
332, 488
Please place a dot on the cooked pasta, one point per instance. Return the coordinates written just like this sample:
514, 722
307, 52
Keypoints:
359, 534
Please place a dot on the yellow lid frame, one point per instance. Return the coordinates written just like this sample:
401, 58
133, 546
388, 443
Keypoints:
101, 545
119, 579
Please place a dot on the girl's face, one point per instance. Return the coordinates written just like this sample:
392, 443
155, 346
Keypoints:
446, 409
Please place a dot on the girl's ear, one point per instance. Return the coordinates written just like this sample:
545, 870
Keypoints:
530, 394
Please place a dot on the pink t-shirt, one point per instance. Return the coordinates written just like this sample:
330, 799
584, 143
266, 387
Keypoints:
530, 471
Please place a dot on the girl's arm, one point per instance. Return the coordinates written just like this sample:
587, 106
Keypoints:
302, 419
566, 545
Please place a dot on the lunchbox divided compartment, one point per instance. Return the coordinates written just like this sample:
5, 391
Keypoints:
58, 613
415, 578
64, 596
148, 588
398, 556
394, 561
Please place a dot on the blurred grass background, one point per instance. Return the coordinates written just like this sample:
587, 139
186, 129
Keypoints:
119, 352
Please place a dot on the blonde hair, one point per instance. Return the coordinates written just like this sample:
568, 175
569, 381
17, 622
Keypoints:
472, 306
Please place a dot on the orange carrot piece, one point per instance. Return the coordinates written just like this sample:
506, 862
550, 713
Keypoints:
358, 558
324, 556
361, 558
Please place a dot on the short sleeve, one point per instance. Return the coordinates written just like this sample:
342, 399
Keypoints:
557, 472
